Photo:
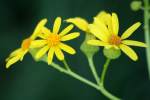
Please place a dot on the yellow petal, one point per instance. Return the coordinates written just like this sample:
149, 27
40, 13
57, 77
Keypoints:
98, 33
50, 55
97, 43
116, 47
41, 52
15, 52
101, 15
38, 28
79, 22
115, 23
59, 53
67, 48
111, 46
41, 35
12, 61
70, 36
44, 33
57, 25
130, 30
66, 30
46, 30
23, 54
106, 19
134, 43
101, 27
129, 52
38, 43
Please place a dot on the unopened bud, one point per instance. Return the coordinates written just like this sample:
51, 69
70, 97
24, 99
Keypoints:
87, 49
112, 53
136, 5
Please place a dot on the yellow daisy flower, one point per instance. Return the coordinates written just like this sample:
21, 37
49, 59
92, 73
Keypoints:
106, 30
19, 53
51, 42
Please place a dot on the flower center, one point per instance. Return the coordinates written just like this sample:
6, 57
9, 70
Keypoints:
115, 40
26, 44
53, 40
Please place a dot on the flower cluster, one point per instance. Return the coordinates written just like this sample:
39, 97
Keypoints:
47, 41
104, 29
44, 43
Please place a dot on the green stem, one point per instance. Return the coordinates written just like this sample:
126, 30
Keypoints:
105, 67
66, 65
98, 86
74, 75
93, 69
147, 32
103, 90
68, 72
80, 78
108, 94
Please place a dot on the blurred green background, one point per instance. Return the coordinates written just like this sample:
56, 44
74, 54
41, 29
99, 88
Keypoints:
29, 80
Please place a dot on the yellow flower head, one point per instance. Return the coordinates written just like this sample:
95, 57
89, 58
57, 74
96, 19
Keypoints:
18, 54
106, 28
51, 42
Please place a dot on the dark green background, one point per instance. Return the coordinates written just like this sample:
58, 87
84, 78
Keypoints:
29, 80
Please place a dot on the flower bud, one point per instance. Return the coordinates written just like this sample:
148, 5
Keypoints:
136, 5
111, 53
87, 49
33, 53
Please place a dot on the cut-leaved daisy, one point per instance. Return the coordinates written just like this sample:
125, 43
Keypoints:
19, 53
106, 28
51, 42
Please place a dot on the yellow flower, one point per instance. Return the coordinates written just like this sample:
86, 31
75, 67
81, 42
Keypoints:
106, 28
19, 53
83, 25
51, 42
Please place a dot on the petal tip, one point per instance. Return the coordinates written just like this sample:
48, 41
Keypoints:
136, 59
78, 34
7, 66
58, 18
74, 52
114, 14
49, 63
45, 19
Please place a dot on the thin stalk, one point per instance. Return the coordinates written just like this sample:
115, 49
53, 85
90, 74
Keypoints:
85, 81
66, 65
147, 31
105, 67
93, 69
80, 78
108, 94
74, 75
